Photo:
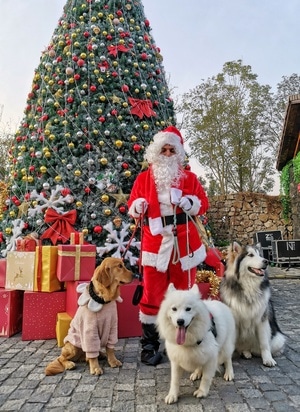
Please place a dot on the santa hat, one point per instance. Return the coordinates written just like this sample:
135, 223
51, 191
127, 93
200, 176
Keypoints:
172, 136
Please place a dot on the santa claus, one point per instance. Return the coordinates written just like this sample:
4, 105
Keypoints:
167, 196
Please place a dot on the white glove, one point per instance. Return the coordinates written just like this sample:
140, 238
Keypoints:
185, 203
140, 205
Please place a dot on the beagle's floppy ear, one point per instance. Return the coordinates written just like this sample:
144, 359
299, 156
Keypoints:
103, 274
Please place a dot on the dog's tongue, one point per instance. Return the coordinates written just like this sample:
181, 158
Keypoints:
180, 336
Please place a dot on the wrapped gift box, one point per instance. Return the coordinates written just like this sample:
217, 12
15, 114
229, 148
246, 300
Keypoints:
45, 279
2, 272
72, 297
76, 262
129, 324
11, 309
40, 311
62, 326
20, 270
27, 244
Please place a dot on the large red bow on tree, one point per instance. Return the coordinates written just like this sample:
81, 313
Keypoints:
62, 225
141, 108
113, 50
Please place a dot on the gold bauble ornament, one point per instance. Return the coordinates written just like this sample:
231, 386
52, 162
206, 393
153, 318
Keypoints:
119, 143
77, 172
30, 179
105, 198
127, 173
132, 228
85, 231
8, 230
107, 212
79, 204
43, 169
103, 161
58, 178
71, 145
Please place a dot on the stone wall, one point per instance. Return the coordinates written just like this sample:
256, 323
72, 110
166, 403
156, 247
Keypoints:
238, 216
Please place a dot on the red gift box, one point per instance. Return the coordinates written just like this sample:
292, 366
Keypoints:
2, 273
11, 308
129, 325
40, 311
27, 244
72, 297
76, 262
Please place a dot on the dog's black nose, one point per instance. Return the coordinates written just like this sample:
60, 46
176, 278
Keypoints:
180, 322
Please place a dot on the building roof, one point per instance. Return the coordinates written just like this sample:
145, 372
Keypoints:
290, 138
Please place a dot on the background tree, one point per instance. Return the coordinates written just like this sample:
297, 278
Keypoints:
98, 96
227, 119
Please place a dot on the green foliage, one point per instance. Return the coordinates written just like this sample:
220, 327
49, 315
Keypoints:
290, 171
226, 118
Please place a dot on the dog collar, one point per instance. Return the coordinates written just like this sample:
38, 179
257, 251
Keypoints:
94, 296
212, 329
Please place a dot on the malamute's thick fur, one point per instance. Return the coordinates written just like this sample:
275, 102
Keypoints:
199, 336
245, 288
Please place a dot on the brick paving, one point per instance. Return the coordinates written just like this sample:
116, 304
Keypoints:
138, 388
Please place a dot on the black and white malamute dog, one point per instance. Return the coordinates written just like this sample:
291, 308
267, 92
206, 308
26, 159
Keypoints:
245, 288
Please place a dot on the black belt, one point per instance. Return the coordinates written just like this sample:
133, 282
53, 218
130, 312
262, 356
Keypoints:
181, 218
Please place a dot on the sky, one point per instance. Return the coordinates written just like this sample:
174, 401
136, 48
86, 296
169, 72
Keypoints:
196, 38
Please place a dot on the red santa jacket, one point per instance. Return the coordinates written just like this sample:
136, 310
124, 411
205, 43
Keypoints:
159, 238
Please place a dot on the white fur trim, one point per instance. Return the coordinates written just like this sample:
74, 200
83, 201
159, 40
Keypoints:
196, 203
165, 251
155, 225
148, 319
191, 261
175, 195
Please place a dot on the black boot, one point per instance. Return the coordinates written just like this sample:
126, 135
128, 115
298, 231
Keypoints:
150, 344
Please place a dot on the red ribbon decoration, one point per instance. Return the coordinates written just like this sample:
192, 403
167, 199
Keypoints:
113, 50
62, 225
141, 108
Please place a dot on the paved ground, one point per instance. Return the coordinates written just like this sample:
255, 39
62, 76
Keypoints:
138, 388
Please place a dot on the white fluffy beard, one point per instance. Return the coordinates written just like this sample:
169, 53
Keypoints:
167, 172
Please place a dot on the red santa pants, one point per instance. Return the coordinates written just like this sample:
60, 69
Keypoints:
156, 283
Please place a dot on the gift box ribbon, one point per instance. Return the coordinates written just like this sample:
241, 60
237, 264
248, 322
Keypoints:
62, 225
78, 254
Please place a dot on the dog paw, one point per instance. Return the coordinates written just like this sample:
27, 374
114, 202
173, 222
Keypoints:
115, 363
69, 365
171, 398
96, 371
195, 375
269, 362
247, 355
228, 376
199, 393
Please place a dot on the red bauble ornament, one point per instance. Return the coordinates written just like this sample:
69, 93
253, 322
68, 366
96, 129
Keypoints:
87, 190
137, 147
125, 165
147, 23
114, 74
88, 146
114, 112
144, 56
119, 13
187, 167
86, 34
76, 76
122, 209
70, 99
80, 62
98, 229
31, 168
101, 119
93, 88
27, 196
1, 237
65, 191
26, 225
125, 88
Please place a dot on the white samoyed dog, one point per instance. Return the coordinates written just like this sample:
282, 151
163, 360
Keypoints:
199, 337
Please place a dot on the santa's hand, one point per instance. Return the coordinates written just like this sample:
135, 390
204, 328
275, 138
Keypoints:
185, 203
140, 205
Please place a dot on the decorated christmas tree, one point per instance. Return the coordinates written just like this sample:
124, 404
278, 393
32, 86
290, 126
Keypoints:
98, 96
